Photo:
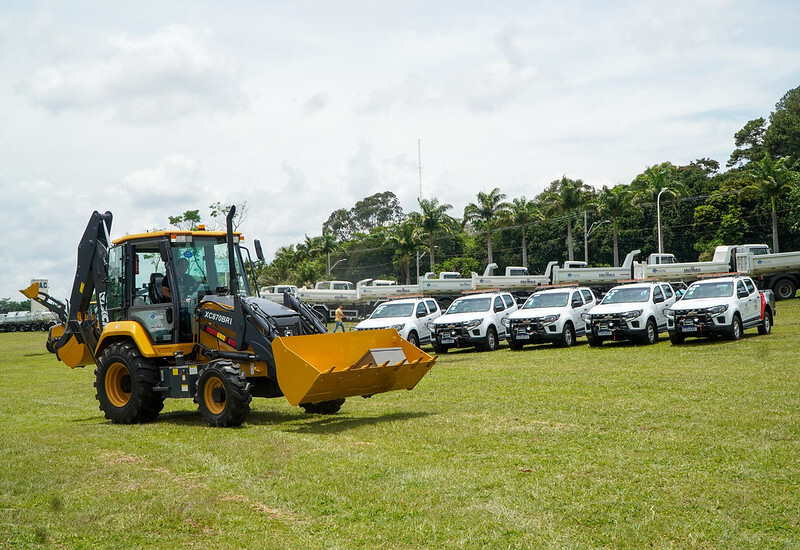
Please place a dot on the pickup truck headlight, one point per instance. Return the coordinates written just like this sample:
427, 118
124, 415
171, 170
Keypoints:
431, 326
669, 313
473, 323
716, 310
630, 314
506, 322
549, 318
587, 317
399, 327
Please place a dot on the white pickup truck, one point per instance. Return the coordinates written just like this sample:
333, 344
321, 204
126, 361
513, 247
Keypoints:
722, 306
408, 316
552, 315
474, 320
630, 312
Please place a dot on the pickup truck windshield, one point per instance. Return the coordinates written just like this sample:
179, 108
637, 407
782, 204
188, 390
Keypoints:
626, 295
547, 300
392, 310
708, 290
471, 305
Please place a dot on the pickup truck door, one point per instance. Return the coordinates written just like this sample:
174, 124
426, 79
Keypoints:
660, 303
422, 322
751, 305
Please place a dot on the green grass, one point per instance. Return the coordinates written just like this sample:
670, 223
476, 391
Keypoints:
692, 446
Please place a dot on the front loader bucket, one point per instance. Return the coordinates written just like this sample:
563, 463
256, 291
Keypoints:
321, 367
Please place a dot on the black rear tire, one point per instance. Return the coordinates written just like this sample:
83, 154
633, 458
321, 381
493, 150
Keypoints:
413, 339
785, 289
222, 394
676, 338
567, 339
516, 345
650, 336
490, 343
124, 383
594, 341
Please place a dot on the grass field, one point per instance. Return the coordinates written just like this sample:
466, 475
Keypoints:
692, 446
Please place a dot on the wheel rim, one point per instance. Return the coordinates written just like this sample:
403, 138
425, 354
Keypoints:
737, 329
651, 333
492, 341
568, 336
117, 385
214, 395
767, 323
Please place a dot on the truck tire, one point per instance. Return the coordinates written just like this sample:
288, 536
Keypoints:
784, 289
490, 343
567, 339
124, 384
439, 348
594, 341
650, 335
413, 339
222, 394
766, 325
735, 332
324, 407
516, 345
676, 338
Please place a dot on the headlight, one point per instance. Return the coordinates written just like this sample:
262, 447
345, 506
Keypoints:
506, 322
431, 326
631, 314
716, 310
587, 317
399, 327
669, 313
549, 318
473, 323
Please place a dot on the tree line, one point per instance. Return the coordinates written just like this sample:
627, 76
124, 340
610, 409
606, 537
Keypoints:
754, 199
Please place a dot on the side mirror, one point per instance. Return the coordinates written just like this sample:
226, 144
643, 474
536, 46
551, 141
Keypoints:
259, 252
165, 250
498, 309
742, 293
576, 303
658, 299
421, 314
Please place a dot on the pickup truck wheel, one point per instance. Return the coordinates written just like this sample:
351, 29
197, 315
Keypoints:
438, 348
785, 289
413, 339
594, 341
651, 333
676, 338
491, 340
736, 328
567, 339
766, 325
516, 345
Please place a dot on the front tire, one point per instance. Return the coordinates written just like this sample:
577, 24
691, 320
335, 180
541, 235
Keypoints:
490, 344
736, 328
413, 339
676, 338
567, 339
125, 384
766, 325
785, 289
594, 341
222, 394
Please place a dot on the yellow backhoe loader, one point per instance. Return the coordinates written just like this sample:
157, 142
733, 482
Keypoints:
170, 314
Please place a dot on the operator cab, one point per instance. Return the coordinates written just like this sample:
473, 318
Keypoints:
198, 267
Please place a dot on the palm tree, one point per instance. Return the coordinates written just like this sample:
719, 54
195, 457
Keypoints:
432, 219
486, 214
655, 179
615, 203
523, 213
566, 197
326, 244
404, 237
773, 178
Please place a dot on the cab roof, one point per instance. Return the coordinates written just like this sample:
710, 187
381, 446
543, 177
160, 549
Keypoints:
172, 235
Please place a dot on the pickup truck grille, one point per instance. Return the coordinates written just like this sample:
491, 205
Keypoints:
531, 326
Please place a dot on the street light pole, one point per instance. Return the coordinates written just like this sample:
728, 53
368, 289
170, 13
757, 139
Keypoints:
588, 234
658, 216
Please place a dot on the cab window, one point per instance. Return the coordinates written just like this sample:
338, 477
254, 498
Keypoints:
588, 297
432, 306
750, 286
421, 311
667, 291
509, 301
657, 293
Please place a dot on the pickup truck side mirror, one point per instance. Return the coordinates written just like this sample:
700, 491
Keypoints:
658, 299
421, 314
498, 309
576, 303
742, 293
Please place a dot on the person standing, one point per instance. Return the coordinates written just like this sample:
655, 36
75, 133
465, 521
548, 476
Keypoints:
339, 315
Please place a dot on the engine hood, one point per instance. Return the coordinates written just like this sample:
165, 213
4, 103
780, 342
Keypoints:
535, 313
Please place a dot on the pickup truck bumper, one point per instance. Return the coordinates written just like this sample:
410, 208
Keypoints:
617, 329
459, 337
533, 333
700, 324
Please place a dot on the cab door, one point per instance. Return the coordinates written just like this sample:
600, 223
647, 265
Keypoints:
751, 304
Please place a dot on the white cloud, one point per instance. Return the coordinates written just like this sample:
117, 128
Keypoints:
175, 72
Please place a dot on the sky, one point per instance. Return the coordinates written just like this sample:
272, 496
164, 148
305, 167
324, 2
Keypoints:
152, 108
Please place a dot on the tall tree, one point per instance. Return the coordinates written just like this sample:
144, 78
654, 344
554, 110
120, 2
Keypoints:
486, 214
566, 197
617, 203
433, 219
749, 143
523, 213
649, 185
404, 238
782, 137
325, 246
773, 178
